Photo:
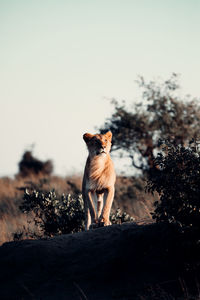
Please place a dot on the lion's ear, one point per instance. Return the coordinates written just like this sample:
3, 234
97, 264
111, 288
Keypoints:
87, 137
109, 135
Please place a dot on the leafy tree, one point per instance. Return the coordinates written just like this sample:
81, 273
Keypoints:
159, 114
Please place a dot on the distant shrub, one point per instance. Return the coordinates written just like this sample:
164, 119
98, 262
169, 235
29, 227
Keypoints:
178, 184
54, 214
31, 165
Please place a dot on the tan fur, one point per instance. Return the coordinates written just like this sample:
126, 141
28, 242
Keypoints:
98, 180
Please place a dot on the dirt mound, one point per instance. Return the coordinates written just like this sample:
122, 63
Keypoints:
114, 262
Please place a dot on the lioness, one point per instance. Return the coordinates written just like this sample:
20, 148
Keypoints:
98, 180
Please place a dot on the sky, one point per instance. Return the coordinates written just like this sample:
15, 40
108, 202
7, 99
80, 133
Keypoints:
62, 60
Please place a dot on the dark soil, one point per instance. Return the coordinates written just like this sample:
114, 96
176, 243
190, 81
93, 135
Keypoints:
126, 261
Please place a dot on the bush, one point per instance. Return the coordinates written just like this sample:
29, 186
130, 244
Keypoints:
54, 214
178, 184
119, 217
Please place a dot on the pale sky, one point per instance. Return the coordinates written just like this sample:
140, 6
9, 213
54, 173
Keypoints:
61, 60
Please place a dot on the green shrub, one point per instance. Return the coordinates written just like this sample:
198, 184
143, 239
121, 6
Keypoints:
177, 181
54, 214
119, 217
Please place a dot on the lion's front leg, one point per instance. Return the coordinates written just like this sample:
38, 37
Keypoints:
87, 218
108, 200
92, 209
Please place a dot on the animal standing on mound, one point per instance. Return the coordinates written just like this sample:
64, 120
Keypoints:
98, 180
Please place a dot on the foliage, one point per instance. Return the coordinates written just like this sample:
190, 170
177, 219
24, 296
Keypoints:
178, 184
31, 165
54, 214
119, 217
159, 114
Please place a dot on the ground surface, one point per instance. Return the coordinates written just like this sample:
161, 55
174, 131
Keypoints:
126, 261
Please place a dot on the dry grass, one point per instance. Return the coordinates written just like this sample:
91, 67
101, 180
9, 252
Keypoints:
130, 196
12, 224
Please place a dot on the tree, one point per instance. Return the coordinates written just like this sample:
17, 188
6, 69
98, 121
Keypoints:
159, 114
29, 165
